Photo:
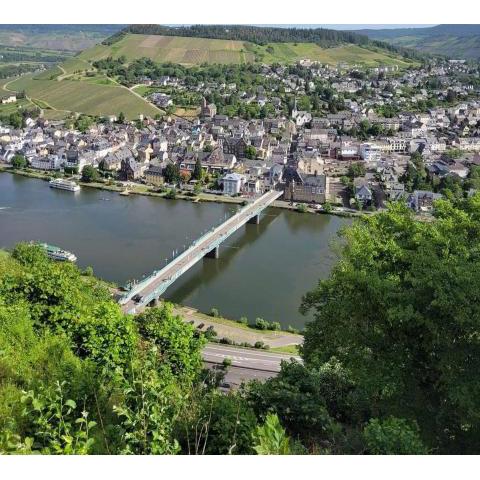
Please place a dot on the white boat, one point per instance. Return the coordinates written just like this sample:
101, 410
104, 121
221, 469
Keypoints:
56, 253
63, 184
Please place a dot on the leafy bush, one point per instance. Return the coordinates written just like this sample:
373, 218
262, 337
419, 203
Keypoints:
210, 333
302, 208
261, 324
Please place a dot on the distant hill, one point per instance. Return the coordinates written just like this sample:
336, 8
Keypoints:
72, 38
262, 36
455, 41
194, 50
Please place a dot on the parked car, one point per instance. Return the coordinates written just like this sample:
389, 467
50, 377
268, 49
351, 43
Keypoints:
137, 298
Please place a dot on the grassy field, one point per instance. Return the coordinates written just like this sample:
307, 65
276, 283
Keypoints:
194, 51
84, 96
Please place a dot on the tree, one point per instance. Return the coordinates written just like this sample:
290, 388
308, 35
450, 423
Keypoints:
83, 123
15, 120
271, 439
89, 174
178, 345
19, 161
415, 177
250, 152
393, 436
356, 170
121, 118
399, 313
310, 401
198, 170
171, 173
216, 423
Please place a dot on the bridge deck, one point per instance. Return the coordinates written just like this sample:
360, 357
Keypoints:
156, 284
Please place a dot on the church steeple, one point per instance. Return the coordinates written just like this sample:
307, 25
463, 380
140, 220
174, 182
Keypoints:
294, 110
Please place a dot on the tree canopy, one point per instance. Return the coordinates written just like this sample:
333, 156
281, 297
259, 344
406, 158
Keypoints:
401, 313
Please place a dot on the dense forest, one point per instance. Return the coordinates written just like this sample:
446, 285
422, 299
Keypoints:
264, 35
390, 360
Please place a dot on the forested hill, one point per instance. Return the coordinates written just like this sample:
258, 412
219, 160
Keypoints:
263, 35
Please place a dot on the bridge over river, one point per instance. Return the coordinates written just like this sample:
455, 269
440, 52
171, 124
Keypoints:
149, 289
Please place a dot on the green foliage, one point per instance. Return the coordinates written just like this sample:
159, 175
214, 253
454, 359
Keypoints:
58, 425
83, 123
415, 177
197, 189
218, 424
171, 173
271, 439
178, 346
356, 170
89, 174
261, 324
149, 405
171, 194
393, 436
327, 207
15, 120
66, 349
310, 401
302, 208
198, 172
214, 312
401, 312
19, 161
250, 152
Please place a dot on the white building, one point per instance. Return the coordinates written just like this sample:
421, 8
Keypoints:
50, 162
233, 183
370, 152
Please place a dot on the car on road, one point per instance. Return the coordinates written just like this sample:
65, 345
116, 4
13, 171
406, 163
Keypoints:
137, 298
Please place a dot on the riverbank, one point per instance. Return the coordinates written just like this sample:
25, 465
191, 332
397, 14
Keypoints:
139, 189
239, 333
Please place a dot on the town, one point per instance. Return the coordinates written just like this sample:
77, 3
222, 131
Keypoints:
240, 239
345, 139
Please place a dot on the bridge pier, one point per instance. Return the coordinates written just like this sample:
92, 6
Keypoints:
255, 220
214, 253
154, 302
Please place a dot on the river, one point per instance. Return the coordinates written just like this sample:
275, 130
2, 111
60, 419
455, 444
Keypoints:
263, 270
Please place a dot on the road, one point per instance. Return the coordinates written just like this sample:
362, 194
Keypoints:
246, 364
195, 253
